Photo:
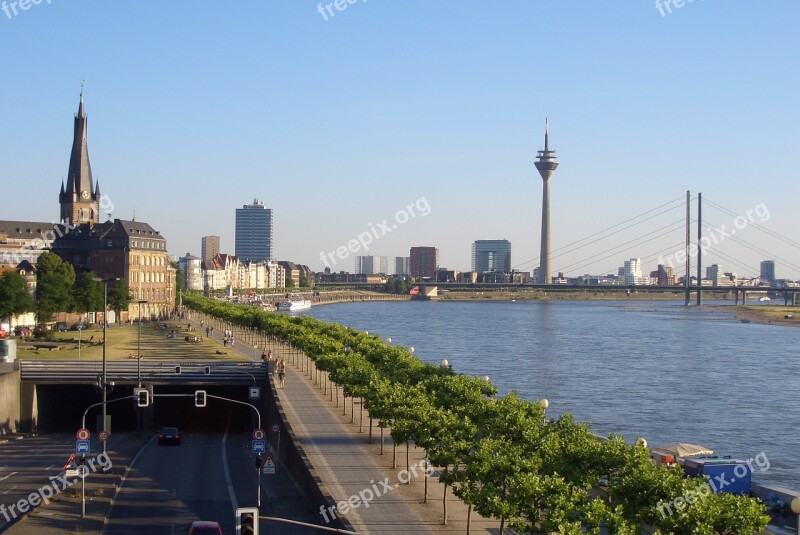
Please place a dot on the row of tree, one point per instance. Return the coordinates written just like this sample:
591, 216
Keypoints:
58, 289
499, 454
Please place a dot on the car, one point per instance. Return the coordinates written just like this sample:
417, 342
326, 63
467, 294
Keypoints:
77, 326
23, 331
169, 435
204, 527
61, 326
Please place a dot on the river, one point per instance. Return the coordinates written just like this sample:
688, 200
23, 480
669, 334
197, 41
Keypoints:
653, 369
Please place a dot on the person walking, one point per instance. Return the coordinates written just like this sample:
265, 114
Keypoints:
281, 373
224, 341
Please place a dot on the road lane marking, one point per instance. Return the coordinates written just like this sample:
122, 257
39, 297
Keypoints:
9, 475
234, 501
122, 481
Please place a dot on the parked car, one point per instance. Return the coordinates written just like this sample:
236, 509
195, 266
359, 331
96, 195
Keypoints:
204, 527
61, 326
169, 435
23, 331
78, 326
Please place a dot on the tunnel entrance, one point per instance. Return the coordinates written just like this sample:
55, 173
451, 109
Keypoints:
61, 407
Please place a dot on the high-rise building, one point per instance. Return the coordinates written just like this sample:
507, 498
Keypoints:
209, 246
423, 261
633, 272
663, 276
491, 255
254, 232
80, 200
401, 265
715, 274
546, 164
372, 265
768, 272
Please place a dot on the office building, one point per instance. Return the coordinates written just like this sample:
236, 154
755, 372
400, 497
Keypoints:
209, 247
491, 255
401, 265
423, 262
632, 271
768, 272
254, 237
372, 265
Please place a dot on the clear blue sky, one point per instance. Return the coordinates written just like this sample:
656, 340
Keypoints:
195, 108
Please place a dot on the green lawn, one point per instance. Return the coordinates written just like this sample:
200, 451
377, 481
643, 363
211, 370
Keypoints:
122, 342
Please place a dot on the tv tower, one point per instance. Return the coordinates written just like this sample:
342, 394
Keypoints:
546, 163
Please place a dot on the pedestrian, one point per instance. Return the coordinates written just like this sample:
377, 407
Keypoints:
233, 341
207, 331
212, 331
282, 372
224, 341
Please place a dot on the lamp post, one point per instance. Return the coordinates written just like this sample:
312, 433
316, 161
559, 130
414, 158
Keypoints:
139, 346
103, 385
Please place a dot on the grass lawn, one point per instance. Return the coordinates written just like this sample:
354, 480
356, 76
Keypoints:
122, 342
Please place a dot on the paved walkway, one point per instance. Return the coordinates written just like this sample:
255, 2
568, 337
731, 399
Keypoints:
353, 469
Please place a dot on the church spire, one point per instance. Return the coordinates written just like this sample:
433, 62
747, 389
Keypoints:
79, 202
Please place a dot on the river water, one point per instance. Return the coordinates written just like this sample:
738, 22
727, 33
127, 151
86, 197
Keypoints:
653, 369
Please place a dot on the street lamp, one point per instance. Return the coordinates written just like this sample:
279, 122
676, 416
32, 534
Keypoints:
105, 343
139, 346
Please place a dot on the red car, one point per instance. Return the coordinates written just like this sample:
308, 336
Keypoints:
204, 527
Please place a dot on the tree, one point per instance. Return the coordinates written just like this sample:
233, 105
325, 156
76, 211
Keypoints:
180, 281
119, 297
289, 280
88, 293
14, 297
303, 281
54, 281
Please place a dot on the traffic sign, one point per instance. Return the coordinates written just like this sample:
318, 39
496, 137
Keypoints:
259, 446
269, 464
82, 446
255, 392
258, 434
103, 436
276, 428
82, 434
70, 460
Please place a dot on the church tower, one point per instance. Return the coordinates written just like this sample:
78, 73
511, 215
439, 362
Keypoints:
80, 200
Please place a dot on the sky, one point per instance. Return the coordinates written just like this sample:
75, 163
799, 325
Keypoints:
417, 123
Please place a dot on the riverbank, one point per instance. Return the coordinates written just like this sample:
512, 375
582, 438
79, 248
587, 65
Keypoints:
565, 295
770, 315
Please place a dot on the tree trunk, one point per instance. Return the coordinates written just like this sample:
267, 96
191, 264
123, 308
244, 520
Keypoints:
469, 517
361, 417
502, 525
425, 475
381, 440
394, 455
337, 394
369, 440
444, 505
408, 463
352, 409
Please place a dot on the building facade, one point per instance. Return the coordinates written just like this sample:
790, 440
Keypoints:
632, 271
491, 255
209, 246
401, 265
767, 275
192, 268
423, 261
372, 265
254, 233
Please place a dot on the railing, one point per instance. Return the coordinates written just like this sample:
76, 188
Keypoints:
125, 372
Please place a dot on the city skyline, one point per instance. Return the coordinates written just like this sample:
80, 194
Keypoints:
235, 134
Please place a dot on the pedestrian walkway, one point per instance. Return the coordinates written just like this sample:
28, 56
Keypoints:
354, 470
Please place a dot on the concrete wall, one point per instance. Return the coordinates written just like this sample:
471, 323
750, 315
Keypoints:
9, 399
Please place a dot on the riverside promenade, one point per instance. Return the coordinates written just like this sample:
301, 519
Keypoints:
349, 466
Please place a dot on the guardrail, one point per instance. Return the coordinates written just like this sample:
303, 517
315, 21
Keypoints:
127, 372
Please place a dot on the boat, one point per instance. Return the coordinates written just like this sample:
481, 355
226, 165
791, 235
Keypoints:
294, 303
765, 298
